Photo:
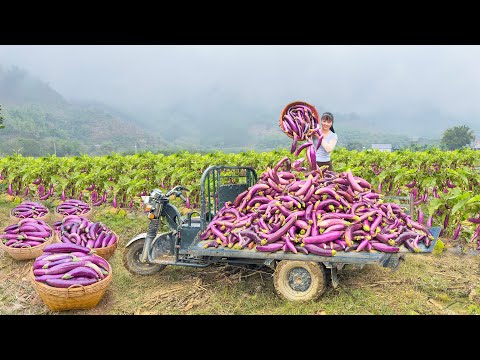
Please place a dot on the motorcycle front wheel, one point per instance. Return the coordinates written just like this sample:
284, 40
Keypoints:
131, 260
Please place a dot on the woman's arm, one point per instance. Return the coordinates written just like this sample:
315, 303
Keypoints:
329, 145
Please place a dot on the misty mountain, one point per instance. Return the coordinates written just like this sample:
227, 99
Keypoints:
39, 121
228, 97
17, 87
218, 119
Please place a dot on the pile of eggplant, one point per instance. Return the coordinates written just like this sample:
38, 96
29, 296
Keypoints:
28, 232
29, 209
73, 207
62, 265
79, 230
317, 211
310, 209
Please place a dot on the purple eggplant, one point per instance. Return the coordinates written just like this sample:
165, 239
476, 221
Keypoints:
272, 247
474, 220
314, 249
62, 283
457, 231
81, 271
384, 247
322, 238
63, 248
60, 268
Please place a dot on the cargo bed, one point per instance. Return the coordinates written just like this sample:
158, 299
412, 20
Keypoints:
350, 257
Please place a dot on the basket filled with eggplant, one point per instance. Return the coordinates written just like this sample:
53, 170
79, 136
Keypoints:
30, 209
70, 276
73, 207
26, 239
297, 119
79, 230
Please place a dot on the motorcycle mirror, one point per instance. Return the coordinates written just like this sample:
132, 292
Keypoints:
156, 193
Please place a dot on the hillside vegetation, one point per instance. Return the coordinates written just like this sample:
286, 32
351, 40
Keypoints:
39, 121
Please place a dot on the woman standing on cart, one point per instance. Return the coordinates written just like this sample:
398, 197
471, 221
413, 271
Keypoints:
328, 142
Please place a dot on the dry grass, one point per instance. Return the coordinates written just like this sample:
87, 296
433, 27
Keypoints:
447, 283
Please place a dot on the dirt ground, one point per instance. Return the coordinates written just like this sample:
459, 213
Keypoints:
445, 284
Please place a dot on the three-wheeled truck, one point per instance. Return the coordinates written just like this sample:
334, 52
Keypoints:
297, 277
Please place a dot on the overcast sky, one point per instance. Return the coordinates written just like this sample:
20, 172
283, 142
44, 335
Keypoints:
365, 79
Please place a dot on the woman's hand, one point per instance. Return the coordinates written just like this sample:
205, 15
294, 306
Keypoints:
312, 133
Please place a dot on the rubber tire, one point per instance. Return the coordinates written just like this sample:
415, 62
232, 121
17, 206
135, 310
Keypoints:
131, 260
316, 288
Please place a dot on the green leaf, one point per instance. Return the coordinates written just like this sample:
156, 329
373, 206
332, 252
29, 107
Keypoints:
429, 182
476, 198
454, 193
434, 204
458, 205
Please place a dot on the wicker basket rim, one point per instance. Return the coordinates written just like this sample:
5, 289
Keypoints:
75, 290
298, 102
26, 249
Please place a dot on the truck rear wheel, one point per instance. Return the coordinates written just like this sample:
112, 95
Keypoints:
299, 280
131, 260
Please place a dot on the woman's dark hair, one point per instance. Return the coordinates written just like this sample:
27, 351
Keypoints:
330, 115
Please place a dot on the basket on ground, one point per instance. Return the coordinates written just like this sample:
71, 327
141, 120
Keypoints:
26, 253
74, 297
284, 111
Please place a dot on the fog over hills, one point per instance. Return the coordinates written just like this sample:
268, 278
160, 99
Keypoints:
226, 97
39, 122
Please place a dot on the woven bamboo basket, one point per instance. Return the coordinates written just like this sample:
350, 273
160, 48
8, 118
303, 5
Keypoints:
45, 217
26, 253
56, 236
284, 111
107, 251
74, 297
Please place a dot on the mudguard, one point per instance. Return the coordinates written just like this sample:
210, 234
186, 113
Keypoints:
135, 238
143, 236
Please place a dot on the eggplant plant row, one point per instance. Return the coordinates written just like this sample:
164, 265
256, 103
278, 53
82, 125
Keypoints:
75, 229
28, 232
319, 211
63, 265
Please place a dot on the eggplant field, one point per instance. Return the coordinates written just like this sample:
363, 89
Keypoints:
442, 187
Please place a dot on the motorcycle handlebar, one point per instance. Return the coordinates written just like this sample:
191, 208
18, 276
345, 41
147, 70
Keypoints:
177, 190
